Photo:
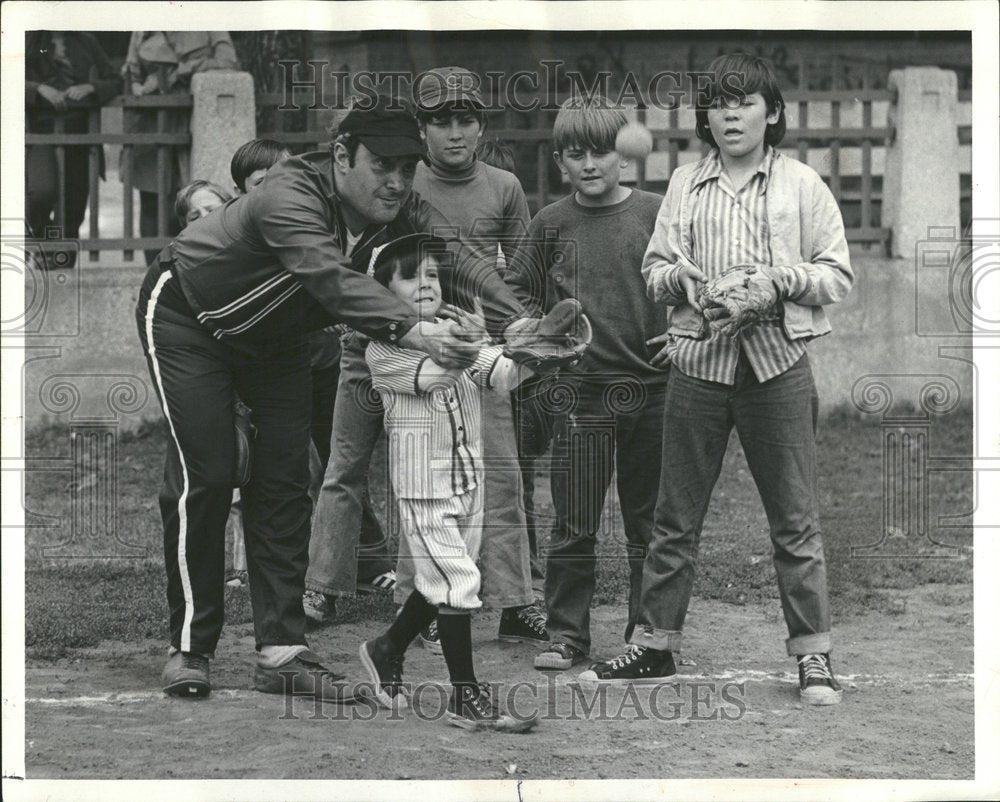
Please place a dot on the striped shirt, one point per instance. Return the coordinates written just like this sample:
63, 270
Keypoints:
435, 448
729, 227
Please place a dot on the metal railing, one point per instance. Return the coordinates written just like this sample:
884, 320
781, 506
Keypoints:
537, 173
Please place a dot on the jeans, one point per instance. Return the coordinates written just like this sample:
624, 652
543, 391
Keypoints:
347, 541
604, 432
776, 423
533, 426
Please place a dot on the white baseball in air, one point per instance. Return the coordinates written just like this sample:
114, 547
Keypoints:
634, 141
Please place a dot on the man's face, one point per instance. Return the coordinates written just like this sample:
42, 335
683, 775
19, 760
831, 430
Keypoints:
594, 174
739, 125
203, 201
422, 292
376, 186
451, 138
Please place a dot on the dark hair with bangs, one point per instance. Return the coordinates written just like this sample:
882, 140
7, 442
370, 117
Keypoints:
257, 154
497, 153
733, 77
588, 122
403, 256
449, 110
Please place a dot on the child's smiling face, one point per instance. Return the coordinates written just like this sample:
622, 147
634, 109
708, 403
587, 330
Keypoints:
738, 126
423, 291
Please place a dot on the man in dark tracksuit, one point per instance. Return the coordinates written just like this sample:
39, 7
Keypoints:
225, 310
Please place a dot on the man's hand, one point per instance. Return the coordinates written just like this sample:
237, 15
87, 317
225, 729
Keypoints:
661, 359
54, 97
691, 280
470, 327
147, 87
80, 91
441, 343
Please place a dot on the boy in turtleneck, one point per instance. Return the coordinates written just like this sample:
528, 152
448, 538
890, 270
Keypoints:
488, 207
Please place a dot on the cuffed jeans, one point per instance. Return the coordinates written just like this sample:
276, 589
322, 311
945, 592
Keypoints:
776, 423
610, 428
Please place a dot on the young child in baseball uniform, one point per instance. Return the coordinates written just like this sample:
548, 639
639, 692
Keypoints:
743, 203
589, 246
433, 419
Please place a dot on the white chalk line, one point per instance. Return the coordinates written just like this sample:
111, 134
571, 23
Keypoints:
136, 697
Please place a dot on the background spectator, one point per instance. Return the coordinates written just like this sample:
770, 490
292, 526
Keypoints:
162, 62
66, 74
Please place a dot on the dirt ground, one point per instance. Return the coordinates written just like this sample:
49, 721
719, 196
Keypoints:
735, 712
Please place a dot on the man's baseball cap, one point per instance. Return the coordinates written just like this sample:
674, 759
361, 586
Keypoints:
384, 126
448, 85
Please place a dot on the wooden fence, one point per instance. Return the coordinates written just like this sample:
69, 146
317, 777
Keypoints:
530, 135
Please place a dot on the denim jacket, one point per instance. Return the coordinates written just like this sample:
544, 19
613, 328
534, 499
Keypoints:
810, 261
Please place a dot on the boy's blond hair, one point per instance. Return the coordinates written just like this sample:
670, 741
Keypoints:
588, 122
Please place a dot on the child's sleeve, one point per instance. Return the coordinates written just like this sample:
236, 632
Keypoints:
516, 218
827, 277
494, 371
394, 369
667, 250
526, 269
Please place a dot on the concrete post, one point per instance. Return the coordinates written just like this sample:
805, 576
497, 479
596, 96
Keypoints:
222, 119
920, 189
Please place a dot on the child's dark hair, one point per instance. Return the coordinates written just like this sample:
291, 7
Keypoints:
182, 203
257, 154
588, 122
446, 110
497, 153
734, 76
404, 255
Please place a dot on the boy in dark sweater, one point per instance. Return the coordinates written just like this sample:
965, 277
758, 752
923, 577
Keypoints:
590, 246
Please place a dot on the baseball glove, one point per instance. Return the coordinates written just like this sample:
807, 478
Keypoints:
738, 299
245, 434
558, 340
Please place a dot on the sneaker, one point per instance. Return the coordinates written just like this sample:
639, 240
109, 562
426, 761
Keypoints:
304, 675
817, 685
320, 609
430, 639
558, 656
383, 583
638, 664
385, 668
186, 674
522, 625
471, 707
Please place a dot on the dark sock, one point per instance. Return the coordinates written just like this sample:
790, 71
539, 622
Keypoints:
416, 613
455, 631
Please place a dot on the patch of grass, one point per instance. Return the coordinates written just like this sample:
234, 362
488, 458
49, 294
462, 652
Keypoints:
73, 603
